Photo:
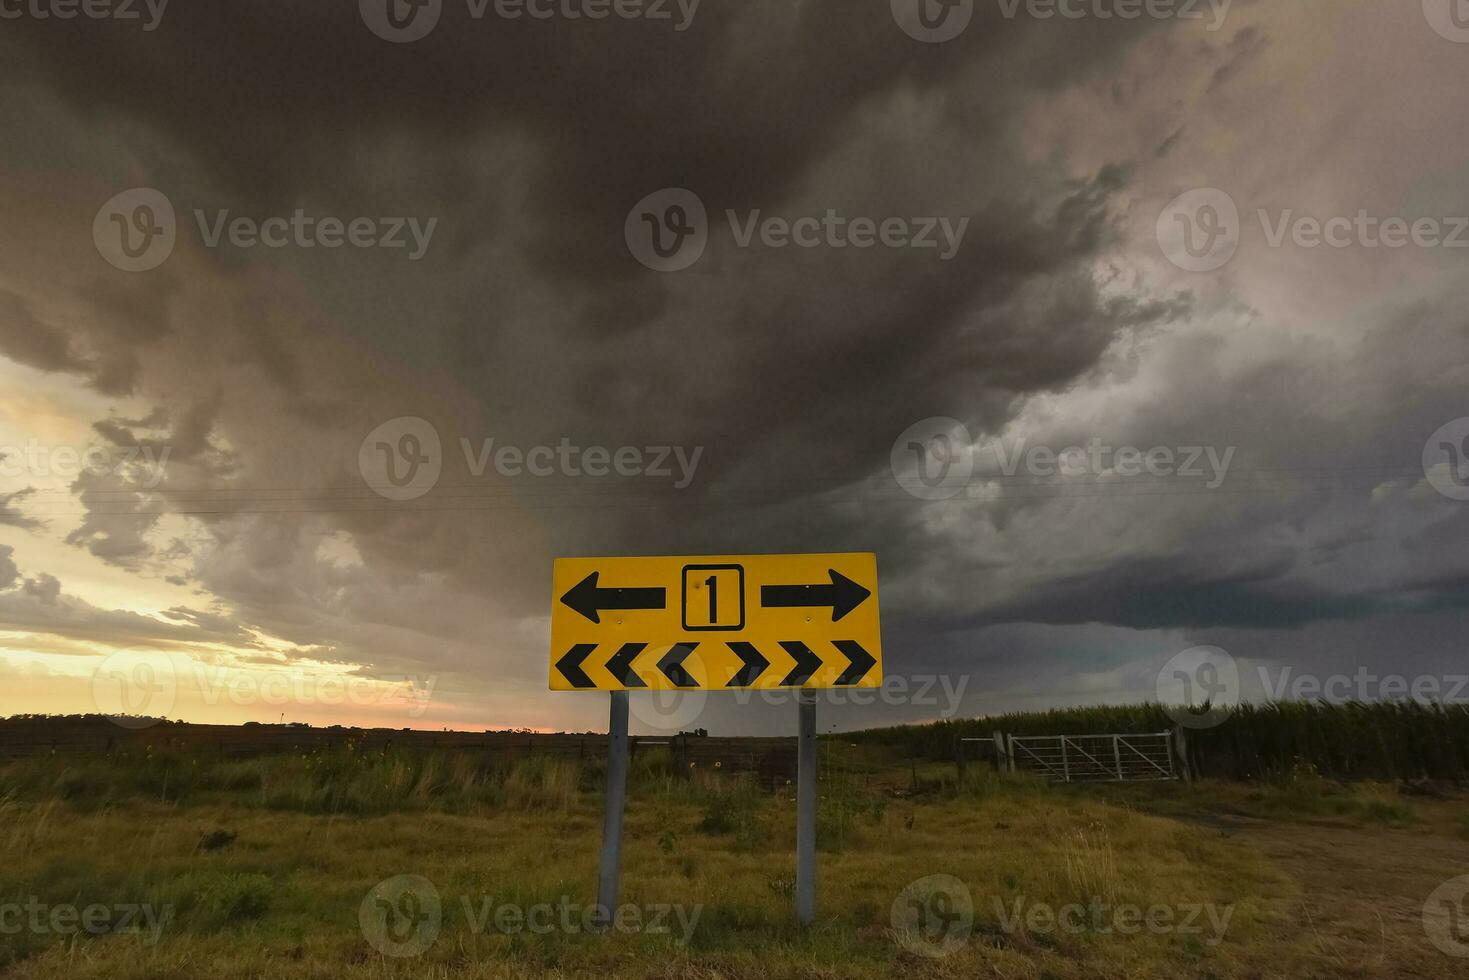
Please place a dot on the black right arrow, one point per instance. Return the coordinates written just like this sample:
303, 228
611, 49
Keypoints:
570, 665
842, 595
620, 666
753, 664
672, 665
807, 663
862, 662
589, 600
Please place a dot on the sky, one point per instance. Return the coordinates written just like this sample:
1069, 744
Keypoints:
326, 328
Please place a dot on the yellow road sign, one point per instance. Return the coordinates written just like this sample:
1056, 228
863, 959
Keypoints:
719, 622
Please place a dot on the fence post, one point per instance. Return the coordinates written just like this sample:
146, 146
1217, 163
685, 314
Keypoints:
1065, 762
959, 759
1010, 752
1000, 752
1180, 752
1117, 756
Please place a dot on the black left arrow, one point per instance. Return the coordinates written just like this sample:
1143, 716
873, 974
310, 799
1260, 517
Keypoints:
589, 600
842, 595
673, 668
570, 665
620, 666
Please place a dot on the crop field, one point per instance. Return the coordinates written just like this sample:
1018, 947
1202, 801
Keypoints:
372, 862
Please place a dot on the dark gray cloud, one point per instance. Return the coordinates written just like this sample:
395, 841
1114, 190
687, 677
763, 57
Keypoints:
529, 321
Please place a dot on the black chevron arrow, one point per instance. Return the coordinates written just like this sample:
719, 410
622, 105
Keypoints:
620, 666
589, 600
753, 664
807, 663
842, 595
672, 665
570, 665
862, 662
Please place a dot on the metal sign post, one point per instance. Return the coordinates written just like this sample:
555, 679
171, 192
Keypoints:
806, 810
617, 756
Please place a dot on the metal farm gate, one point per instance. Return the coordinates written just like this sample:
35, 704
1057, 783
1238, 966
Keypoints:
1094, 758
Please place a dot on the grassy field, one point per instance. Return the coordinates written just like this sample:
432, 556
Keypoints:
445, 865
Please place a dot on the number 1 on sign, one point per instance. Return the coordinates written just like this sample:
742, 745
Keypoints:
727, 616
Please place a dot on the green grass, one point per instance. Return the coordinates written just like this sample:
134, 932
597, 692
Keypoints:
264, 866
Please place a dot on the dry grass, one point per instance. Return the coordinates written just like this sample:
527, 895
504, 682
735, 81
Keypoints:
282, 898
